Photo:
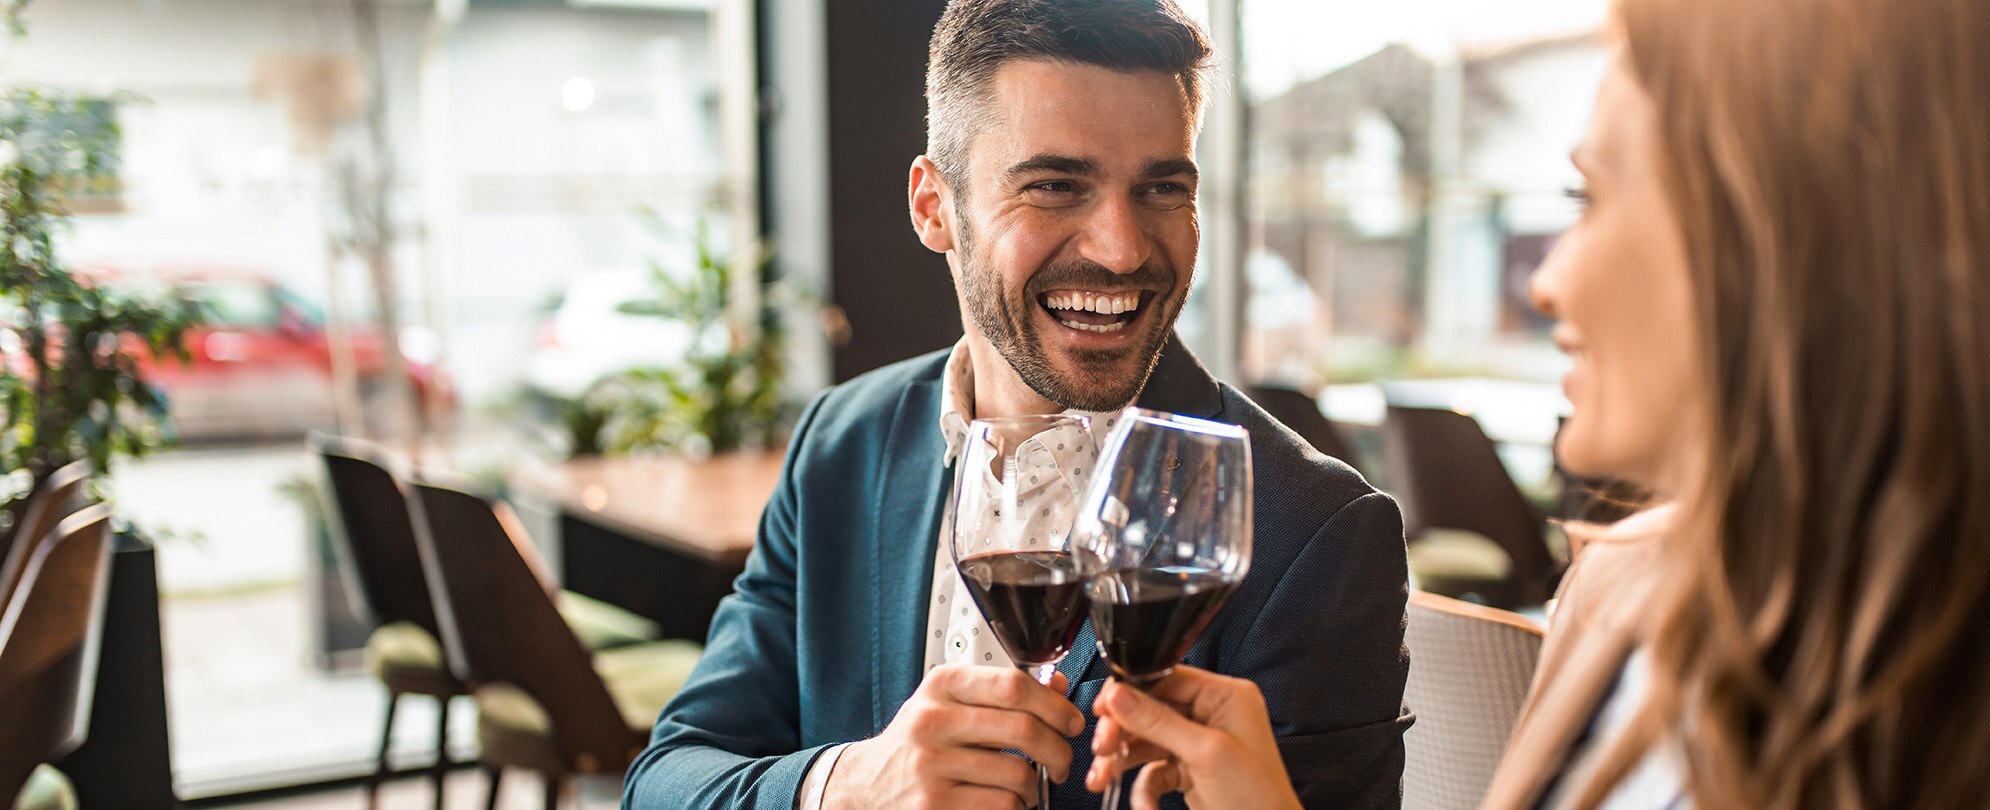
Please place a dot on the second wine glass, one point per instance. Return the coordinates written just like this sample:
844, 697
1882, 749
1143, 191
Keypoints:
1163, 538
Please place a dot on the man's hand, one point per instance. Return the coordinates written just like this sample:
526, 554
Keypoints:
944, 748
1200, 733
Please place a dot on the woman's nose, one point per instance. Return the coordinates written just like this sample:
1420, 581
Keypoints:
1544, 286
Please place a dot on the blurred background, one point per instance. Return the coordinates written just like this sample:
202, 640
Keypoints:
504, 233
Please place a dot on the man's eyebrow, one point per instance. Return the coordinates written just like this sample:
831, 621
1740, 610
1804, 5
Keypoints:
1171, 167
1053, 164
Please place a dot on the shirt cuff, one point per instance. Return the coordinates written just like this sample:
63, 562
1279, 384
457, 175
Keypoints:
817, 780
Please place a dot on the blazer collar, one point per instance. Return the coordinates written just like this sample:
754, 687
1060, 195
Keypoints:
914, 491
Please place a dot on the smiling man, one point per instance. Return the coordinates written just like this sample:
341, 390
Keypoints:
848, 669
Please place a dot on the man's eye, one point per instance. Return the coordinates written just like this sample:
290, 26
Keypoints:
1168, 195
1055, 187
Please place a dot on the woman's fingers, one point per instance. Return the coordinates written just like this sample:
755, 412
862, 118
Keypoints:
1109, 766
1155, 781
1141, 716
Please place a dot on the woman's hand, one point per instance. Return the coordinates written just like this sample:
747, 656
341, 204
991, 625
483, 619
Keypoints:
1203, 734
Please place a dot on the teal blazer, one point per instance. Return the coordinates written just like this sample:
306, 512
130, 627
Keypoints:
821, 640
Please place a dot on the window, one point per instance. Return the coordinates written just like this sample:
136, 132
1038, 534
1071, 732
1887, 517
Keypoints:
1406, 165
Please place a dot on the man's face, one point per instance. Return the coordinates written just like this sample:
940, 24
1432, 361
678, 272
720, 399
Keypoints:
1076, 232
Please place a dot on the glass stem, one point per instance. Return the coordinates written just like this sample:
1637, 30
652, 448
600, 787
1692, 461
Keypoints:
1042, 673
1109, 800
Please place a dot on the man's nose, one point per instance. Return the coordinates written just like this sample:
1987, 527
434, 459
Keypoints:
1114, 237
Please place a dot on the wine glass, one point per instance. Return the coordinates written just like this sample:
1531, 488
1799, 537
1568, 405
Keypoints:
1162, 538
1016, 486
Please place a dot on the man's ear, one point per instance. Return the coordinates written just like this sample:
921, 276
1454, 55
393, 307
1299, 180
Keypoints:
932, 206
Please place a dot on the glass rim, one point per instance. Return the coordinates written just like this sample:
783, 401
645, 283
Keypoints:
1189, 424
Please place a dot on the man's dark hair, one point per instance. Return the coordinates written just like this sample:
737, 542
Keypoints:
976, 37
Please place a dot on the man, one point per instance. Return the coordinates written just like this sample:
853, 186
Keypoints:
1059, 182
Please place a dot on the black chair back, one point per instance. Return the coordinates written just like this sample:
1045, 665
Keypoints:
50, 633
1447, 474
1303, 415
379, 536
53, 499
500, 625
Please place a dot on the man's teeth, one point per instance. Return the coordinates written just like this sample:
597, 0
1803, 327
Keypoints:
1086, 327
1104, 304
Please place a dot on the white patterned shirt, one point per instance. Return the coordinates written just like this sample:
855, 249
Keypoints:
956, 633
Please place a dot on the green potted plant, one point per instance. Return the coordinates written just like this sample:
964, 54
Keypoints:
72, 384
727, 393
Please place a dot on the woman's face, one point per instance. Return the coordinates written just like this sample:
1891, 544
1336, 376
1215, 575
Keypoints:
1618, 286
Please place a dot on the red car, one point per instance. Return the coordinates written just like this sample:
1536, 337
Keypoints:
261, 360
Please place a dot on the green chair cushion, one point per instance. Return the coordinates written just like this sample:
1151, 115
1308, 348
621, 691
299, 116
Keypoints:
402, 645
405, 646
602, 626
640, 678
47, 789
1454, 555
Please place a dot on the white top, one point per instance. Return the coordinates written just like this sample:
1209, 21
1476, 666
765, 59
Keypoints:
1655, 784
956, 633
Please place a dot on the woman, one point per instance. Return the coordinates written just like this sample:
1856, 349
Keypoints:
1778, 306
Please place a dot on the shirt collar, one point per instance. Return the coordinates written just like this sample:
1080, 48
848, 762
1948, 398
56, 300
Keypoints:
957, 404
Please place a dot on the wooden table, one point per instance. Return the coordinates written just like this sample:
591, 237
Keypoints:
661, 536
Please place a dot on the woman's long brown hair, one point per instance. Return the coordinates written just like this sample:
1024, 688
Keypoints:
1825, 638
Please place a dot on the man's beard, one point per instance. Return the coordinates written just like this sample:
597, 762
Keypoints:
1104, 380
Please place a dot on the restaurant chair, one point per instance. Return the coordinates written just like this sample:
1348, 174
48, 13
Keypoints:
50, 632
371, 514
54, 498
1447, 475
543, 704
1302, 413
1470, 669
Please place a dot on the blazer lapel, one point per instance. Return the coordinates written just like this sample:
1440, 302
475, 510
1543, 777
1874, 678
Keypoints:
1579, 666
1180, 385
908, 525
1586, 675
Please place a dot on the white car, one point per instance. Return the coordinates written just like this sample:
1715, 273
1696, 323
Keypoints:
587, 337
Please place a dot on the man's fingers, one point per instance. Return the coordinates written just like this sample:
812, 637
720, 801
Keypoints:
1155, 781
997, 729
978, 797
1011, 689
989, 769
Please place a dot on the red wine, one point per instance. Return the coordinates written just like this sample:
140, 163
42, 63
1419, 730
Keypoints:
1146, 619
1033, 600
